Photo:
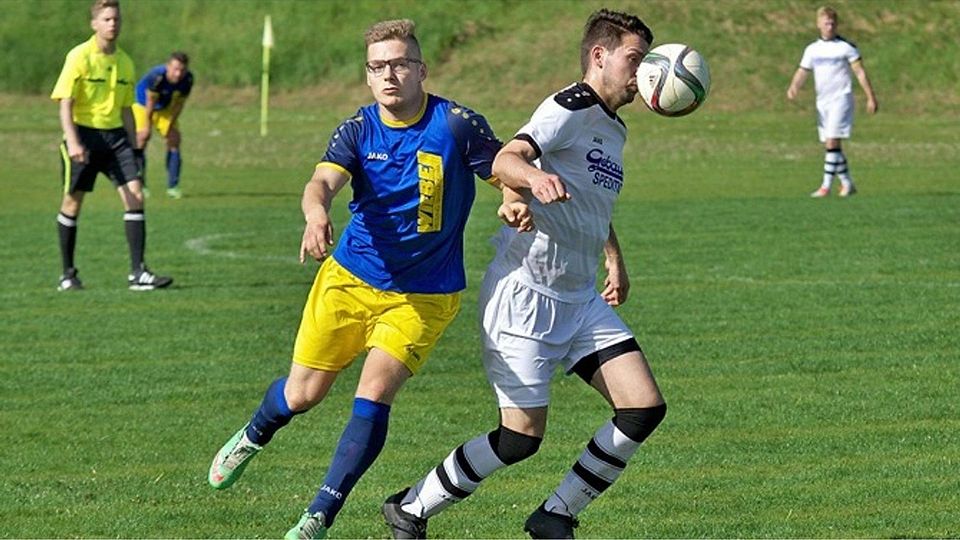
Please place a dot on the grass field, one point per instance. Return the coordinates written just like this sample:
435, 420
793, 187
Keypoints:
808, 349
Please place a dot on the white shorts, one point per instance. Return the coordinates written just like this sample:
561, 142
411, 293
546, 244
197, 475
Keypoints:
527, 334
835, 118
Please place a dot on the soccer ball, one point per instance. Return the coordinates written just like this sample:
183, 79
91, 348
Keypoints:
673, 79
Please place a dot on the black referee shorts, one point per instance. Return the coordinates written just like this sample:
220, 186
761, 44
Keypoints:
108, 152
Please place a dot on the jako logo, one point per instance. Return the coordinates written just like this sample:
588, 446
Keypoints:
378, 156
336, 494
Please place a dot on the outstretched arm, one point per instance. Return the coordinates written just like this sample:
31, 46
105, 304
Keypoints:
799, 77
514, 211
861, 73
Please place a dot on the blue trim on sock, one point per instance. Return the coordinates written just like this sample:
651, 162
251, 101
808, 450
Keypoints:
370, 410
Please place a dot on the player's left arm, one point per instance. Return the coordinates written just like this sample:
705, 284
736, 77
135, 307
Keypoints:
861, 73
476, 140
515, 211
796, 83
616, 286
129, 125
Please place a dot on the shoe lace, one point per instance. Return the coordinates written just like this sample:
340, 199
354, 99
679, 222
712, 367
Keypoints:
311, 526
238, 454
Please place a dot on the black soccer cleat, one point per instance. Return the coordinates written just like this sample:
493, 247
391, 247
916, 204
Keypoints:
402, 524
145, 280
69, 281
544, 524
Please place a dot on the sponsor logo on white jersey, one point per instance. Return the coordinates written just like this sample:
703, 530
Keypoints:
607, 173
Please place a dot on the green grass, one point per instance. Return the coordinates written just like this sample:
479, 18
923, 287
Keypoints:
807, 348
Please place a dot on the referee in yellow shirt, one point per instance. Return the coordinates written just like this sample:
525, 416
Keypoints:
95, 91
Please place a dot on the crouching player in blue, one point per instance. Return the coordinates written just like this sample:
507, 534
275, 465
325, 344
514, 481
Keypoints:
160, 97
393, 283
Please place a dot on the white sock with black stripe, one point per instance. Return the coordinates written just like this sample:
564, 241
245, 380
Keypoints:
842, 170
831, 165
457, 476
601, 463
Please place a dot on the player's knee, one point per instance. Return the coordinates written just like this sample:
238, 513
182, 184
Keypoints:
639, 423
512, 446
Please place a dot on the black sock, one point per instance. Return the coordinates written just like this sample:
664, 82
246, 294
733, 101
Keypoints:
136, 226
67, 229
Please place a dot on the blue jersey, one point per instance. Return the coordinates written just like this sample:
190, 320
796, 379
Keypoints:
156, 81
413, 186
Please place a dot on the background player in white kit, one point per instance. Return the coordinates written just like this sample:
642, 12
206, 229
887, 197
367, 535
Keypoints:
539, 304
832, 58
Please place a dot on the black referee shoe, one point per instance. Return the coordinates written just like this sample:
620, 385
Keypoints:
544, 524
145, 280
402, 524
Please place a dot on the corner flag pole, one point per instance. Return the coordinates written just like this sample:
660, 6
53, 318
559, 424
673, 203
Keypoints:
265, 77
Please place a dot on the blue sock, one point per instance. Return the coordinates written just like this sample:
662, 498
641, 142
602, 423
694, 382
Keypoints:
272, 415
173, 168
359, 446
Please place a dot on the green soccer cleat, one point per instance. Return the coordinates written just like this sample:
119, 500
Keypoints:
231, 460
174, 193
310, 527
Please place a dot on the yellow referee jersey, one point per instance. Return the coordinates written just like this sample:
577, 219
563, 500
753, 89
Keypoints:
100, 85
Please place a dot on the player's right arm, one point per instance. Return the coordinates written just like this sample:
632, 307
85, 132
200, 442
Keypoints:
75, 148
318, 194
514, 167
143, 134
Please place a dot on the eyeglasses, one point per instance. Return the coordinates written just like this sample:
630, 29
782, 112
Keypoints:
399, 66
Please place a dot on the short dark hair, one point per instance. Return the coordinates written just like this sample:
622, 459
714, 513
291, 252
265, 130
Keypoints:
100, 5
180, 56
606, 28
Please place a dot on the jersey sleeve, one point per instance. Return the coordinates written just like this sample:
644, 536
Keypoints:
551, 128
71, 72
475, 138
156, 80
852, 53
342, 149
187, 85
806, 61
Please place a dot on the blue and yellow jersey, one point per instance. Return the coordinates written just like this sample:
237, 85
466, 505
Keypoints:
101, 85
155, 81
413, 186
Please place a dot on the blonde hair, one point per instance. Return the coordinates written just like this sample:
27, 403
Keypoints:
827, 11
400, 29
100, 5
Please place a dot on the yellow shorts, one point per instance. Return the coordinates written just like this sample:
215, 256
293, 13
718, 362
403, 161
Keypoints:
160, 119
345, 316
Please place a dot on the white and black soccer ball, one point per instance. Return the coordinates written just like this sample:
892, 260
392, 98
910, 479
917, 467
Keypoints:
674, 79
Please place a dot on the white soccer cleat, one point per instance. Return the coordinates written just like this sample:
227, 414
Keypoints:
848, 190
